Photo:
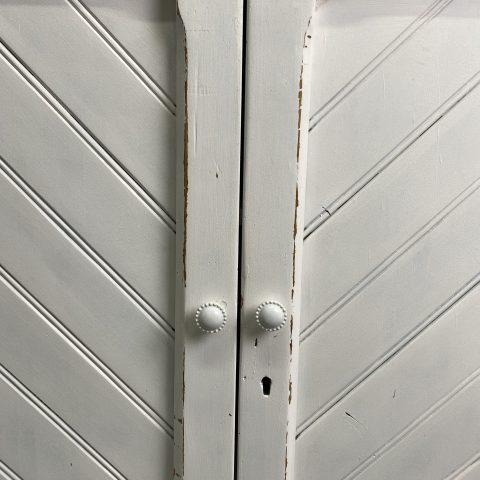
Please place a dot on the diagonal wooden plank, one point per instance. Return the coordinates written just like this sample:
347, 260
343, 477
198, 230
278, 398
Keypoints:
90, 356
387, 215
87, 250
384, 319
412, 426
129, 60
49, 155
383, 55
99, 89
397, 98
378, 378
445, 440
83, 131
461, 95
470, 470
147, 30
67, 283
388, 406
72, 387
7, 473
20, 402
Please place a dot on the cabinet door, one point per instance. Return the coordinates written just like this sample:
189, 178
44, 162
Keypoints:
87, 239
278, 44
389, 357
208, 197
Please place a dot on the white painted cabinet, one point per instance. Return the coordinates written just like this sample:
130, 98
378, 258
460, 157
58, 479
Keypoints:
238, 240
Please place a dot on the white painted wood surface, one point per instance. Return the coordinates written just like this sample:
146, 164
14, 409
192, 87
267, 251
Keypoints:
388, 356
385, 275
87, 244
78, 65
276, 126
209, 114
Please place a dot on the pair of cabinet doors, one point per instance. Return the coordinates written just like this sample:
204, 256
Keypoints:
300, 178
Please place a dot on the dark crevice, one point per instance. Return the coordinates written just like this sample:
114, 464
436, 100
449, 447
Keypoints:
240, 235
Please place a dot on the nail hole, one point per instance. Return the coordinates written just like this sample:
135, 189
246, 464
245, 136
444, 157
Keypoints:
266, 386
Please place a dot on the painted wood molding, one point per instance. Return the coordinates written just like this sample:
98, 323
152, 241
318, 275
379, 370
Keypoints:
208, 153
276, 131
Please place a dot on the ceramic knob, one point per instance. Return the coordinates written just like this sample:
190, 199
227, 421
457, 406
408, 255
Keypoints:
271, 316
210, 317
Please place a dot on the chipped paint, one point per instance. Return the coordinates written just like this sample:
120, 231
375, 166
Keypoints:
291, 337
306, 37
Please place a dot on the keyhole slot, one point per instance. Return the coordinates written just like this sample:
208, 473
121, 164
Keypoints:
266, 386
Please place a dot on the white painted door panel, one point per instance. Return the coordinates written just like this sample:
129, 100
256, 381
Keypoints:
402, 95
277, 79
352, 38
50, 157
87, 244
30, 439
120, 112
388, 371
143, 34
120, 216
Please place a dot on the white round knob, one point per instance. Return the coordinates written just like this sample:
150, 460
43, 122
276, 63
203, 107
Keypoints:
271, 316
210, 317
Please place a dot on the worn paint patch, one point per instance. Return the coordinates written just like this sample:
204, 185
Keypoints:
299, 131
291, 337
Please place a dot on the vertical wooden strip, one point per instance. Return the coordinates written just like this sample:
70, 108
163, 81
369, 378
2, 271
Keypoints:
209, 116
276, 126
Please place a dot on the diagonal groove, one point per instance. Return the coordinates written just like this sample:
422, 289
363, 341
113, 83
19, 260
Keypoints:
471, 463
413, 425
76, 344
444, 109
59, 423
127, 58
65, 229
390, 354
371, 276
114, 165
8, 472
429, 14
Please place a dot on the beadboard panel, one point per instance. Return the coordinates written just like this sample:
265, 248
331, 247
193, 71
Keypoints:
50, 453
77, 182
447, 439
99, 89
376, 414
391, 107
424, 275
351, 37
87, 244
53, 270
388, 371
143, 32
85, 400
391, 211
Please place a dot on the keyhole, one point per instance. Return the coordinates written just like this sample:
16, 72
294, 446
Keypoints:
266, 386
